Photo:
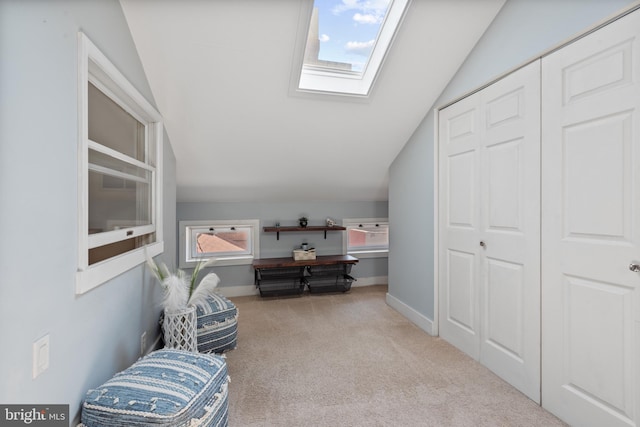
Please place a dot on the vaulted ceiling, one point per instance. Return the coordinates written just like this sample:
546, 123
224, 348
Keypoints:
221, 74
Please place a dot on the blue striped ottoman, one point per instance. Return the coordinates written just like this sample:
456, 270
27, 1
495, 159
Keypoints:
166, 388
217, 325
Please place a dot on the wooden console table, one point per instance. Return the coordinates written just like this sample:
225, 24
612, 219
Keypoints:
286, 276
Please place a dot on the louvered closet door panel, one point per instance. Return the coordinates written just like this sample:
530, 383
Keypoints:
591, 228
489, 227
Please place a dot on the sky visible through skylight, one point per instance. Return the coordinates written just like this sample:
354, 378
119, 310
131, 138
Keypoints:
347, 29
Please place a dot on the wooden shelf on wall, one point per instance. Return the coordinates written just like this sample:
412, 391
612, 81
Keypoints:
299, 229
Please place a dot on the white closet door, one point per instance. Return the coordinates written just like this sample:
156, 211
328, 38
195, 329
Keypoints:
490, 227
459, 224
591, 228
510, 344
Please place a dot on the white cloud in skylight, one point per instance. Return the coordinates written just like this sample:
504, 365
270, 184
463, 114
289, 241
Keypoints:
366, 19
324, 38
374, 7
360, 48
345, 5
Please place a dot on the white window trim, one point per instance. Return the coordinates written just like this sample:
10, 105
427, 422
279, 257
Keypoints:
371, 253
186, 261
95, 67
311, 79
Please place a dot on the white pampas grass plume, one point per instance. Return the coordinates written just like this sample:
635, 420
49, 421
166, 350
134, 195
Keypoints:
209, 262
196, 270
180, 290
176, 292
160, 271
164, 270
207, 286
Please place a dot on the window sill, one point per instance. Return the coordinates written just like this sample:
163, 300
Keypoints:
104, 271
370, 254
222, 262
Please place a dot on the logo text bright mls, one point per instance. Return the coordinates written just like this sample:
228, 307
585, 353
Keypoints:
49, 415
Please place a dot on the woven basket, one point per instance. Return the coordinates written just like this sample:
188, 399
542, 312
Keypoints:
179, 329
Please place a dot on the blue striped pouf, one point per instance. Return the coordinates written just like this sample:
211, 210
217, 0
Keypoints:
217, 325
166, 388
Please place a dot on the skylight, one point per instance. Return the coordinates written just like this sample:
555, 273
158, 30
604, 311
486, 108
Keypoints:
346, 44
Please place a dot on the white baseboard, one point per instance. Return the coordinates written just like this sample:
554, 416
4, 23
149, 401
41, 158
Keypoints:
237, 291
412, 315
368, 281
155, 345
247, 290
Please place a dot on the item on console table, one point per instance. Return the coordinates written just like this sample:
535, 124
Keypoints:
301, 254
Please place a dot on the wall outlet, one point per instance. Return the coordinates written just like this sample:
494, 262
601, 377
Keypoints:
143, 343
40, 355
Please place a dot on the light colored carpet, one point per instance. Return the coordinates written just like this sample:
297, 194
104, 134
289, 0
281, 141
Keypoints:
351, 360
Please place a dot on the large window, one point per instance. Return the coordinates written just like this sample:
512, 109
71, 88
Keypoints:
367, 237
232, 242
120, 161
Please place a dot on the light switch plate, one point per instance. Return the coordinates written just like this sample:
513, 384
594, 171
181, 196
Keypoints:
40, 355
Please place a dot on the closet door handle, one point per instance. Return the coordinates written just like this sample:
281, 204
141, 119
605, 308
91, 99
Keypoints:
634, 267
483, 244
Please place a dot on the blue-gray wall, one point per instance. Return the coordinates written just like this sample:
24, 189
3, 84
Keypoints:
522, 30
287, 213
92, 335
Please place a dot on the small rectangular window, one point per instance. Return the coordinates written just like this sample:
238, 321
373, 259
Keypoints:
367, 237
231, 242
221, 241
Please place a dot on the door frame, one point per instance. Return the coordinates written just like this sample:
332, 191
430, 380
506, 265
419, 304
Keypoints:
436, 223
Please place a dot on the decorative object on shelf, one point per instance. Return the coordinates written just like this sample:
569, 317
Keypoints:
277, 224
304, 246
330, 222
181, 296
303, 221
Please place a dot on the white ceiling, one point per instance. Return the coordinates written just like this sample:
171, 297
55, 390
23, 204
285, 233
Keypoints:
221, 70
